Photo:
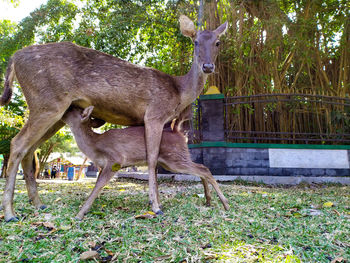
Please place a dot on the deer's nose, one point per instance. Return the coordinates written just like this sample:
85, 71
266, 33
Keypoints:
208, 68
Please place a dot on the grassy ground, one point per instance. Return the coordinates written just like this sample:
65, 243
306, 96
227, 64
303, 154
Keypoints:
264, 225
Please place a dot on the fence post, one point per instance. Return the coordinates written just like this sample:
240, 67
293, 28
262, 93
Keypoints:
212, 111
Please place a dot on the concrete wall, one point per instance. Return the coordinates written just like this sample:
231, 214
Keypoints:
265, 162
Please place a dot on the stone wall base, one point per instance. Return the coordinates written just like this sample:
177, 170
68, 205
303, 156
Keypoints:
273, 180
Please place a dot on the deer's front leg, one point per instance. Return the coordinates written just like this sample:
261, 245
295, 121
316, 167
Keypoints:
103, 178
153, 130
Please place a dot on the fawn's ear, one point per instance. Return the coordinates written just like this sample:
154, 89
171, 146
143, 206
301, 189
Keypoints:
187, 27
221, 29
85, 116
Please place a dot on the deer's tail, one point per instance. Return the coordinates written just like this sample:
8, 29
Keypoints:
10, 76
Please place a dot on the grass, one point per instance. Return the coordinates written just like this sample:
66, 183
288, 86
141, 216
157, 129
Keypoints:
264, 224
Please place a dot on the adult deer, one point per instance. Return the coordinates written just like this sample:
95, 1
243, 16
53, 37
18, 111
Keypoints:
56, 75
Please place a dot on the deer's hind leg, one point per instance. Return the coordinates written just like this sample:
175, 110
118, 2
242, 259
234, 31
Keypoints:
186, 166
203, 172
29, 169
206, 191
35, 128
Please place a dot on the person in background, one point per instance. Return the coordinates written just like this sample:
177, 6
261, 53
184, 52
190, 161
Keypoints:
46, 174
53, 172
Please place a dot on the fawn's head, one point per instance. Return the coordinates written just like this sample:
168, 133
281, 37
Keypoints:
77, 116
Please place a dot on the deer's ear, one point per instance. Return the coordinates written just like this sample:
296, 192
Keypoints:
187, 27
85, 116
221, 29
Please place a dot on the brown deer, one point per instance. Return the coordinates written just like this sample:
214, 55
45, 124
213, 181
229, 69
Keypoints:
119, 148
56, 75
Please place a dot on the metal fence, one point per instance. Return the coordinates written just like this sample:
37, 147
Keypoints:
288, 118
282, 118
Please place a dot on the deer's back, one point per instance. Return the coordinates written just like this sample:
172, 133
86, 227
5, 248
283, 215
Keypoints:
119, 90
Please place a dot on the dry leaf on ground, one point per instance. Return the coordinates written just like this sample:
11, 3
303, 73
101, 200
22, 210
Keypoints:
146, 215
328, 204
339, 260
88, 255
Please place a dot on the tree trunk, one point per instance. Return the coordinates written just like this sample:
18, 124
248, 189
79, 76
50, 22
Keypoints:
44, 157
213, 21
81, 168
4, 165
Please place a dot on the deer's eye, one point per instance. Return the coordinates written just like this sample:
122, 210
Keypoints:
217, 43
196, 43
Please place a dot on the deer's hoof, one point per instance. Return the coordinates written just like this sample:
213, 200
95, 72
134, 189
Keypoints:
12, 219
159, 212
77, 218
42, 207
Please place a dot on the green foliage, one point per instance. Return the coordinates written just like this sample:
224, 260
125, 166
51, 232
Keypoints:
275, 46
10, 124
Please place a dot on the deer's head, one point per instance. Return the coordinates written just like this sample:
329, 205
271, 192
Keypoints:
206, 43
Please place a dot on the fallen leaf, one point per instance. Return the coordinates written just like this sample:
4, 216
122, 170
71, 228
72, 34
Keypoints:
91, 244
335, 211
161, 258
98, 213
122, 208
88, 255
36, 223
48, 217
49, 225
342, 244
328, 204
65, 227
338, 260
110, 253
146, 215
312, 212
210, 256
297, 215
206, 246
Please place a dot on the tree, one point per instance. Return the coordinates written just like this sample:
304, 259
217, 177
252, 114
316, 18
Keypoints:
272, 46
62, 141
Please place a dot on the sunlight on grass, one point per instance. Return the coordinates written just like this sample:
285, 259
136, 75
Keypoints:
243, 252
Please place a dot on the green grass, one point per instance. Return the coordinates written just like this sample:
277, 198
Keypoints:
264, 224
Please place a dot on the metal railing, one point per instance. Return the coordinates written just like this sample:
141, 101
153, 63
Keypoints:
288, 118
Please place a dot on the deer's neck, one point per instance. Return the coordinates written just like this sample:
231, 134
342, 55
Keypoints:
192, 84
85, 138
